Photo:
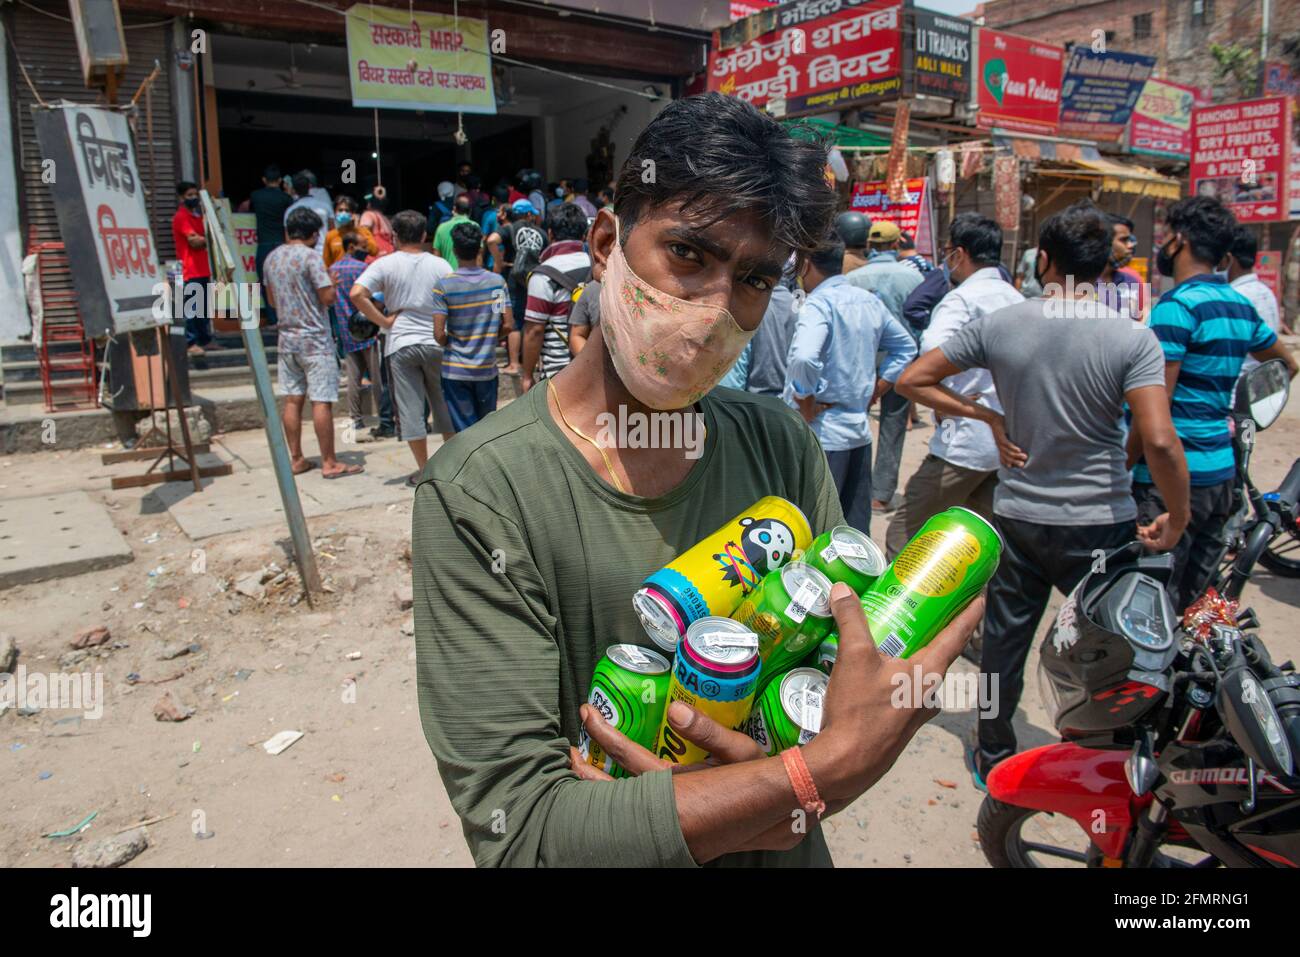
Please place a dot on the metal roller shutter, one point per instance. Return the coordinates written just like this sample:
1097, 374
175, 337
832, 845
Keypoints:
46, 45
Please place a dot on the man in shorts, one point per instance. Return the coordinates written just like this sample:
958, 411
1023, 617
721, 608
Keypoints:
301, 292
405, 278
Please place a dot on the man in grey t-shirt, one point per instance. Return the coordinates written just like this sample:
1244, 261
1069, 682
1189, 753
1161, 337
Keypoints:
1064, 367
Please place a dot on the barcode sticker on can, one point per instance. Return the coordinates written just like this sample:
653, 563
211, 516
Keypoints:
809, 594
729, 639
812, 711
844, 549
892, 646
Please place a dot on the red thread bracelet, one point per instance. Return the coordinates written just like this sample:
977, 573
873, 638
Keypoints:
801, 779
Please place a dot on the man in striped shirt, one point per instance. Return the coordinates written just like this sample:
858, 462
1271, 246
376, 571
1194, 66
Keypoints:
1206, 329
546, 320
468, 308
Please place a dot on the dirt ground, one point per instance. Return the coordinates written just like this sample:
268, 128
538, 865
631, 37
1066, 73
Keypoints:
360, 788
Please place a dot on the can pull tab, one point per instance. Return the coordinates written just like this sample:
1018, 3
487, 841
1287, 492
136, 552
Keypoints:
636, 655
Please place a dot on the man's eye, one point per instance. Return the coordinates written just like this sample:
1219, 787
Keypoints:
684, 251
759, 283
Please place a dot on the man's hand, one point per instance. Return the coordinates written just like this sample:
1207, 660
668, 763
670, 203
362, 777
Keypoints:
863, 730
809, 407
1162, 534
882, 386
724, 745
1010, 454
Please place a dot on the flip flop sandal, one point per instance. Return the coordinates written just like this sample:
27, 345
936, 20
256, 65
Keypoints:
351, 470
310, 465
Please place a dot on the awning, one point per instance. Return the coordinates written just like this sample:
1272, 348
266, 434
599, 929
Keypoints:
845, 137
1075, 161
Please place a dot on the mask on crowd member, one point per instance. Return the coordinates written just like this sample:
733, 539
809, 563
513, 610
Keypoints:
193, 202
559, 191
342, 217
667, 351
1165, 259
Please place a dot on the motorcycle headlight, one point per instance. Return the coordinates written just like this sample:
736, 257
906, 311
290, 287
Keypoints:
1254, 695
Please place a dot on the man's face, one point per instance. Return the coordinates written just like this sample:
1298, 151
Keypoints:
1122, 244
465, 170
190, 195
732, 263
958, 262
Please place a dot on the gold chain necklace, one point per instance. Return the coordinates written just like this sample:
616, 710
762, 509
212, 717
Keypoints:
582, 435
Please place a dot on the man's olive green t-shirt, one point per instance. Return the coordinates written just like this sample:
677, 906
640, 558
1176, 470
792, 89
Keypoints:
524, 566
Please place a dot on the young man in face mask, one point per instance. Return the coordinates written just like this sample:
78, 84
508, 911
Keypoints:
192, 246
1062, 493
532, 531
345, 221
1206, 329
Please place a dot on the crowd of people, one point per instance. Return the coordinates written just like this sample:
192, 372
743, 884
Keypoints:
412, 308
1070, 407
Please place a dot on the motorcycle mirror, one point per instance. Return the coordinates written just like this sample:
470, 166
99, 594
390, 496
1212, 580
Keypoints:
1252, 720
1262, 392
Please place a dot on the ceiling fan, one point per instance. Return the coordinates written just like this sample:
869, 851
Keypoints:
292, 81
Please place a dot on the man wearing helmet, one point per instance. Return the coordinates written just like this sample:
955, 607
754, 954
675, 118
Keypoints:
852, 229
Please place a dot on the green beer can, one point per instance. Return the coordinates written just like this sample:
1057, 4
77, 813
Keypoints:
790, 611
789, 711
630, 690
846, 555
823, 659
933, 578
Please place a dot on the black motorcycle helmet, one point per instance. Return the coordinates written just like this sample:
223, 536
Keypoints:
852, 229
1107, 659
529, 179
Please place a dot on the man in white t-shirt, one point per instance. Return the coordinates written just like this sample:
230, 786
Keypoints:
1241, 276
405, 279
961, 468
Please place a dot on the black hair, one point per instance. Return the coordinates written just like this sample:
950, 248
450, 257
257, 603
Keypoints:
567, 221
473, 182
466, 240
501, 193
1077, 240
373, 202
343, 199
980, 236
301, 184
303, 223
1207, 226
1244, 247
580, 185
721, 155
461, 205
828, 257
271, 173
184, 186
906, 241
1115, 219
351, 241
606, 194
409, 227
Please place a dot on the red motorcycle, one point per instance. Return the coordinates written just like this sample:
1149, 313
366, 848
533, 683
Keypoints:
1178, 749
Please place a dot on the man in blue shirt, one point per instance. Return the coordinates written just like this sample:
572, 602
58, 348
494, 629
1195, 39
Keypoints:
831, 375
893, 282
1206, 329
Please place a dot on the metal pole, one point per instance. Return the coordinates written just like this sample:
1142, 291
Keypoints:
1263, 44
302, 551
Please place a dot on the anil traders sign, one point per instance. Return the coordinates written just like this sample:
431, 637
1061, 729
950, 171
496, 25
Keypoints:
1018, 83
1241, 153
939, 62
817, 63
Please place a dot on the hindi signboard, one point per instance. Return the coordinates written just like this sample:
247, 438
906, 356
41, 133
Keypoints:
422, 61
940, 55
1241, 153
818, 63
99, 200
1099, 92
1161, 124
911, 215
1018, 83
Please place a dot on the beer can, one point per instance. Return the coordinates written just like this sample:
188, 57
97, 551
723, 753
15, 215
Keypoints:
716, 574
847, 555
789, 710
630, 690
933, 578
827, 652
791, 613
715, 671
